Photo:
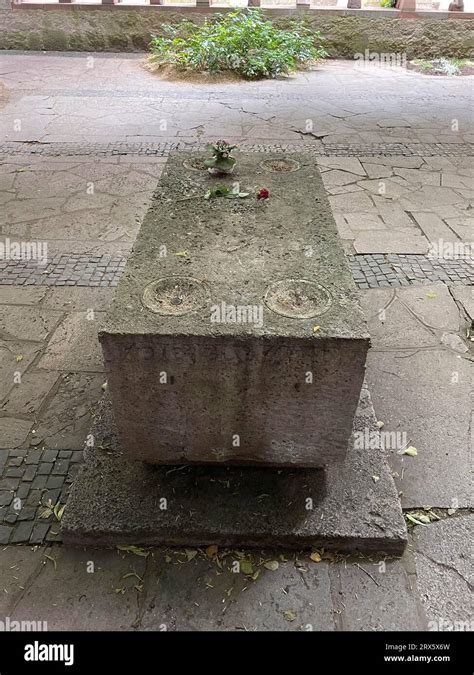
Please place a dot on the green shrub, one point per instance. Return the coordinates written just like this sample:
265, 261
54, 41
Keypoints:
242, 41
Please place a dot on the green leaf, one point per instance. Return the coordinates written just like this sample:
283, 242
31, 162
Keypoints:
136, 550
411, 451
246, 567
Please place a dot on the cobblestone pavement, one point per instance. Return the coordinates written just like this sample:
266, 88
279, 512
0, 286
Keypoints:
316, 148
64, 270
369, 270
398, 173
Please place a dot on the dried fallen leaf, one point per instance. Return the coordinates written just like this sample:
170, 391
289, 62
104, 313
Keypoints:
418, 518
272, 565
58, 510
289, 615
211, 551
410, 451
53, 560
380, 424
19, 358
316, 328
190, 553
47, 511
315, 557
375, 478
181, 254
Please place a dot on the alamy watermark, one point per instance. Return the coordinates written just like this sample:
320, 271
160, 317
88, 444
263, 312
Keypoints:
224, 313
457, 625
9, 625
454, 250
371, 439
380, 59
24, 250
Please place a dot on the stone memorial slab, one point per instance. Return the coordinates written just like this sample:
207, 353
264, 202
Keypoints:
235, 335
351, 506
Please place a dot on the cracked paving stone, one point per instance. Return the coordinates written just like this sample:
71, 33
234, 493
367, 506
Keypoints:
443, 558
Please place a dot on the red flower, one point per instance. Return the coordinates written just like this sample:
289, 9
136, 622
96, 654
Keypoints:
263, 194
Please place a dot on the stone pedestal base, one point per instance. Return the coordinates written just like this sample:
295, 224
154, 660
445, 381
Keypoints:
117, 501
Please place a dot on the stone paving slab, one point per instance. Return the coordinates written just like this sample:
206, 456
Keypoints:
420, 371
377, 596
425, 394
85, 597
19, 567
443, 554
290, 598
74, 344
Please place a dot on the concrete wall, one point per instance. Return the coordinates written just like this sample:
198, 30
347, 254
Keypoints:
122, 28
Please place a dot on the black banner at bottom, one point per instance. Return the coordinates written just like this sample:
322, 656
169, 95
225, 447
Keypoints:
69, 652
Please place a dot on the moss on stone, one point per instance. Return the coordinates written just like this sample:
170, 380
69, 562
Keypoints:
55, 39
123, 30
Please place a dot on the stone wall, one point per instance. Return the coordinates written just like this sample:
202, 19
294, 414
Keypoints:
126, 29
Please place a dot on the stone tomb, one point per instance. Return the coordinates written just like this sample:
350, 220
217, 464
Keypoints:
235, 335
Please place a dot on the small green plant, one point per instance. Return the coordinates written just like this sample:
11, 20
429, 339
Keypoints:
221, 161
242, 41
388, 4
446, 66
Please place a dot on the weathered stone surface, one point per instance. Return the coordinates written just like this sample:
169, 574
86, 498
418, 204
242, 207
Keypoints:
66, 420
13, 432
465, 296
377, 596
70, 299
410, 317
237, 391
18, 565
27, 323
74, 345
301, 593
390, 242
15, 357
18, 295
443, 554
98, 602
132, 30
26, 397
425, 394
115, 501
